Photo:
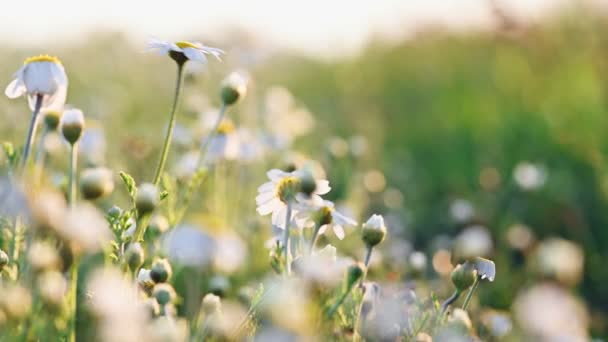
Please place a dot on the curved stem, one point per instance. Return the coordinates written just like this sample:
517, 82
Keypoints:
450, 300
286, 238
315, 237
212, 134
335, 307
467, 299
165, 151
31, 131
73, 166
368, 257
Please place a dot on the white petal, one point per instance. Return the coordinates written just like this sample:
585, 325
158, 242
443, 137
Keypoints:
15, 89
322, 229
339, 231
264, 197
195, 55
269, 207
266, 187
278, 217
276, 175
322, 187
343, 220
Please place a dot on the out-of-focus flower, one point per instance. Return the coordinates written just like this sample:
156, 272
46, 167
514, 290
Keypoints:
284, 119
374, 181
234, 87
317, 211
323, 267
547, 312
358, 145
13, 201
283, 187
16, 301
417, 261
462, 210
134, 255
230, 253
164, 294
86, 229
72, 125
338, 147
121, 315
147, 198
51, 119
288, 305
43, 256
167, 329
96, 182
144, 280
211, 304
520, 237
49, 210
472, 242
529, 176
498, 323
561, 259
93, 145
186, 50
52, 287
40, 75
189, 245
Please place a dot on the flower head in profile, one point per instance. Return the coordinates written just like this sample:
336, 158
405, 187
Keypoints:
40, 77
282, 188
323, 213
183, 51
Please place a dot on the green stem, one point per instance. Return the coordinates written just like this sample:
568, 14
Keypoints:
315, 237
286, 238
73, 299
40, 156
167, 143
337, 305
470, 294
31, 131
368, 257
450, 300
212, 134
73, 166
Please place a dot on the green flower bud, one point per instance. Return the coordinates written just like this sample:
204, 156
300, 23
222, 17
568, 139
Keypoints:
51, 119
463, 276
72, 125
115, 211
96, 183
164, 293
161, 271
373, 231
158, 224
211, 304
308, 184
353, 274
134, 256
147, 198
234, 87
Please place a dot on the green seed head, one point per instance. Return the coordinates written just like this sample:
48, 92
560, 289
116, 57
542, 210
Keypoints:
164, 293
463, 276
134, 256
161, 271
147, 198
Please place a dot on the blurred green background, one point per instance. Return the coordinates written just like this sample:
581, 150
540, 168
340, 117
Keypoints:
437, 110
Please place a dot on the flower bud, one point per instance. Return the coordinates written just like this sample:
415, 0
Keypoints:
219, 285
353, 274
463, 276
96, 183
147, 198
308, 184
158, 224
164, 293
211, 304
161, 271
51, 119
3, 259
72, 125
134, 256
234, 87
115, 211
374, 230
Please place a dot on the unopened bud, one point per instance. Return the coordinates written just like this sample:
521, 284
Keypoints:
211, 304
373, 231
147, 198
463, 276
115, 211
308, 185
158, 224
161, 271
96, 183
72, 125
51, 119
164, 293
234, 87
353, 274
134, 256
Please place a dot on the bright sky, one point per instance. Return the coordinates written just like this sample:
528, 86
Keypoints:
313, 25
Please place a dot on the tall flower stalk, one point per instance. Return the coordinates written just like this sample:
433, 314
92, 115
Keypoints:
31, 133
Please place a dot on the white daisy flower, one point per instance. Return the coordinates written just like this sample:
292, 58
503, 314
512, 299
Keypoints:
273, 196
191, 51
323, 212
40, 76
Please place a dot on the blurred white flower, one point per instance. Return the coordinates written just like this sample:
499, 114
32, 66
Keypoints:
289, 305
271, 198
144, 280
40, 75
418, 261
472, 242
13, 202
529, 176
561, 259
189, 245
86, 228
167, 329
498, 323
520, 236
284, 119
323, 267
192, 51
92, 146
186, 165
52, 287
313, 210
549, 313
462, 210
230, 253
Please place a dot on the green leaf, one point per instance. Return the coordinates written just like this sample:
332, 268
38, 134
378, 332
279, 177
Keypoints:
129, 183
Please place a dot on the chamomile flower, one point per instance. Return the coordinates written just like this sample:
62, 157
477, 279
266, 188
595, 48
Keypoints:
184, 51
318, 211
42, 76
282, 188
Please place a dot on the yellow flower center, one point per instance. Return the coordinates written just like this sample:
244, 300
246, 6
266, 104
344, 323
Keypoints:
42, 58
184, 44
288, 188
225, 127
324, 216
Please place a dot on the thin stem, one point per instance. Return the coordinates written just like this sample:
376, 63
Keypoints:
40, 156
286, 238
335, 307
368, 257
212, 134
450, 300
315, 237
167, 143
73, 165
31, 131
467, 299
73, 299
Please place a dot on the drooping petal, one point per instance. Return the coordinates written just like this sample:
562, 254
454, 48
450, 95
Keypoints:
322, 187
343, 220
339, 231
15, 89
275, 175
278, 217
195, 54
